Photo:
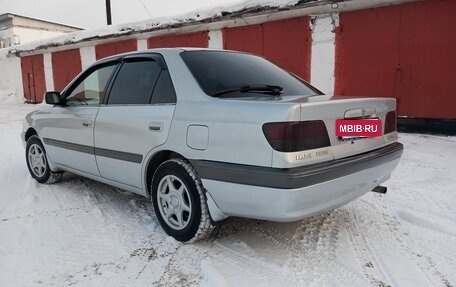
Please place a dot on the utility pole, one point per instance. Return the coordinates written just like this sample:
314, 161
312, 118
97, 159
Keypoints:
108, 12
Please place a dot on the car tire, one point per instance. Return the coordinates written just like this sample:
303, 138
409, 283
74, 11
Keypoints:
179, 201
37, 164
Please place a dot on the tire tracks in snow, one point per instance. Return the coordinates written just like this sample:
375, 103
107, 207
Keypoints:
318, 238
368, 259
133, 262
261, 271
59, 211
414, 253
254, 267
177, 271
311, 250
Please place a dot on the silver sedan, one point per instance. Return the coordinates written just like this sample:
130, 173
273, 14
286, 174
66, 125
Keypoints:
208, 134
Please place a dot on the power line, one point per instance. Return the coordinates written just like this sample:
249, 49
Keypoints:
147, 10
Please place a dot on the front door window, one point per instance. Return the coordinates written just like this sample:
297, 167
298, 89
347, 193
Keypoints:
90, 91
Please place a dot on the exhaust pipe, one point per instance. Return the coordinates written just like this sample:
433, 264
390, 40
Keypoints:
380, 189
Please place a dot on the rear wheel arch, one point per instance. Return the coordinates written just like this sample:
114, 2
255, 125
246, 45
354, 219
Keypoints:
155, 161
181, 209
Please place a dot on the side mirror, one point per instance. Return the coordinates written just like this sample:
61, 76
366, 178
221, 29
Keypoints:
53, 98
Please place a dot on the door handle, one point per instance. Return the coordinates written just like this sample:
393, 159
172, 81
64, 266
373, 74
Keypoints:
86, 123
156, 126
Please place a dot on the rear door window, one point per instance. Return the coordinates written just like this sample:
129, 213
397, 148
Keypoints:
164, 90
135, 82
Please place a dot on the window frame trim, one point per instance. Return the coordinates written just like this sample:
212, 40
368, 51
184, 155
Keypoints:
80, 78
158, 58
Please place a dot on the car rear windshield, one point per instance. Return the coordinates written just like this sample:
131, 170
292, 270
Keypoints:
219, 71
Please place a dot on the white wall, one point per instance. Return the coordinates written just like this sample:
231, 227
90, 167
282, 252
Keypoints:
48, 76
215, 39
11, 80
142, 44
27, 35
6, 36
323, 52
88, 56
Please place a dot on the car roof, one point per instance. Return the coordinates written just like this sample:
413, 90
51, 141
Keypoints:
154, 50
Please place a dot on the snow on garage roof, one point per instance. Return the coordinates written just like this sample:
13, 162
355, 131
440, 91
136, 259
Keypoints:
246, 7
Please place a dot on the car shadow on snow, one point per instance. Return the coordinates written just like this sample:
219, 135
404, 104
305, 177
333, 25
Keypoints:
127, 203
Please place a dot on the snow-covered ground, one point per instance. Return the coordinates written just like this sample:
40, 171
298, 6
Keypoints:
84, 233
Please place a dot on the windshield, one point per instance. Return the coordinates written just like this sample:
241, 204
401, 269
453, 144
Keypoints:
220, 71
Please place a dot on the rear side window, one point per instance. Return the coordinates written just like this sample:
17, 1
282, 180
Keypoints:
135, 82
164, 91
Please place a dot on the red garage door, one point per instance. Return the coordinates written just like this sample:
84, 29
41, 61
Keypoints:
247, 39
65, 66
199, 39
33, 78
109, 49
405, 51
286, 43
366, 52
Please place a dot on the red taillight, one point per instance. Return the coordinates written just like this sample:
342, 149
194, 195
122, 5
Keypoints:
296, 136
390, 122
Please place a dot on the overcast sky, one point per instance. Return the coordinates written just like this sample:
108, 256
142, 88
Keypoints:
92, 13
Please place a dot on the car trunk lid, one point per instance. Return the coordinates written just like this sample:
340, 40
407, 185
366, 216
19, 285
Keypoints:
330, 109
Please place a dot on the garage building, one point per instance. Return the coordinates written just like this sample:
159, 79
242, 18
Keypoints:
377, 48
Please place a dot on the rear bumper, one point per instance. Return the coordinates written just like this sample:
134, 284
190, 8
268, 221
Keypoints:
292, 194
